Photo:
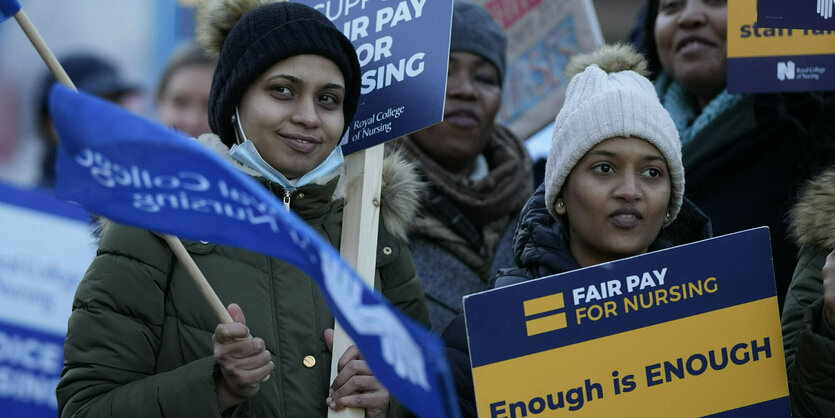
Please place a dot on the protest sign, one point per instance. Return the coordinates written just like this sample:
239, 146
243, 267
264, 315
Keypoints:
403, 49
542, 36
45, 248
775, 59
687, 331
799, 14
140, 173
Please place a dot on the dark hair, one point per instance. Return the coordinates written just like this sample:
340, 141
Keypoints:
189, 55
649, 47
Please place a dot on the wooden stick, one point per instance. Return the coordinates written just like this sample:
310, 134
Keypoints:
200, 280
360, 222
173, 242
44, 51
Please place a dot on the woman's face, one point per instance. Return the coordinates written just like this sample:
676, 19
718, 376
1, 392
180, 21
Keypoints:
691, 37
473, 96
616, 200
184, 100
293, 113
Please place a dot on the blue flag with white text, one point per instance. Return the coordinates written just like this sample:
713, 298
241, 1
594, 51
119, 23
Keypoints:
139, 173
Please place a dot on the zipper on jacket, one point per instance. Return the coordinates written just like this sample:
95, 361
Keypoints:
287, 195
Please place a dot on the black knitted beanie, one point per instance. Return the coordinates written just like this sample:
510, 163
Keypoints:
266, 35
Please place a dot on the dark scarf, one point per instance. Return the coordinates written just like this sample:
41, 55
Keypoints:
541, 245
469, 217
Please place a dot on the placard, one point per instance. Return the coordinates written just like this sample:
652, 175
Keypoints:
689, 331
403, 49
776, 59
542, 37
45, 248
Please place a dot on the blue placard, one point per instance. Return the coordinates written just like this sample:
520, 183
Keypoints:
45, 247
777, 59
403, 49
664, 333
30, 364
785, 73
504, 335
796, 14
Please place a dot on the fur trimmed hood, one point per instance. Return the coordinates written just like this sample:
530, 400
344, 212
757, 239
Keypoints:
400, 192
812, 220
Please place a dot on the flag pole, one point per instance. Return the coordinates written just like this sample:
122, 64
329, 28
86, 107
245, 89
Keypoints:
176, 246
199, 279
44, 51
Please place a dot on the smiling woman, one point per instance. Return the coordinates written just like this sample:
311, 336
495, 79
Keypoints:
745, 154
284, 90
293, 113
691, 38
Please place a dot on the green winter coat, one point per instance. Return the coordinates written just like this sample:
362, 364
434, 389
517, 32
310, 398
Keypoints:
808, 341
139, 340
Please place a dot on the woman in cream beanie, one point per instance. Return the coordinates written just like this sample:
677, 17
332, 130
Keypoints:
613, 180
614, 175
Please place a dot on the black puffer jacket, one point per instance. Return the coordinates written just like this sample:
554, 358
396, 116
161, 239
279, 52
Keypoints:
541, 249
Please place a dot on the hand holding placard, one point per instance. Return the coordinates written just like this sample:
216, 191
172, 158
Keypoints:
355, 385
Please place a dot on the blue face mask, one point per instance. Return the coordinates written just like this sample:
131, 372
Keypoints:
248, 155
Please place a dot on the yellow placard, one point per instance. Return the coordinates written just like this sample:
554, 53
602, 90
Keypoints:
709, 363
745, 39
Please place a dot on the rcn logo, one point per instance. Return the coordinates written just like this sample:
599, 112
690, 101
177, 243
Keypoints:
785, 70
549, 306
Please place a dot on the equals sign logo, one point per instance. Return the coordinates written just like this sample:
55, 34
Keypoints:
541, 314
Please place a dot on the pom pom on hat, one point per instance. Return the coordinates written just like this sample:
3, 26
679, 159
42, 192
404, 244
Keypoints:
609, 96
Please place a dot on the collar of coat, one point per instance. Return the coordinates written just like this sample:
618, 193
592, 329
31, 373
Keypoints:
812, 223
399, 195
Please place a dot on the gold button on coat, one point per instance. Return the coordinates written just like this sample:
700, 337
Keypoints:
309, 361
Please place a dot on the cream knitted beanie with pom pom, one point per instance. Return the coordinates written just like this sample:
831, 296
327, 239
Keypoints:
610, 97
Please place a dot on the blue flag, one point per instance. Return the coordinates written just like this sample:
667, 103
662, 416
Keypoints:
140, 173
8, 8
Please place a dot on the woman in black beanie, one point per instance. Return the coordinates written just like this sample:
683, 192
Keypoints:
478, 172
141, 341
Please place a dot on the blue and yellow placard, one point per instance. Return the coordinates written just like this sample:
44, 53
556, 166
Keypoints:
773, 59
688, 331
